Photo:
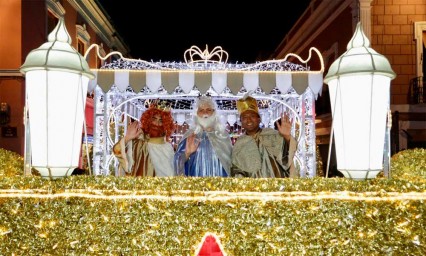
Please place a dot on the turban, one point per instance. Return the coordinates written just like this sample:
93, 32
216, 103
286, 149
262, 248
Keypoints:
247, 103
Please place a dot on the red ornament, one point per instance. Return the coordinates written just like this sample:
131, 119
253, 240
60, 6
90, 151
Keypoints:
210, 247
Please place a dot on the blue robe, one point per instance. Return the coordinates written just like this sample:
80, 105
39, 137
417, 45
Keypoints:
203, 162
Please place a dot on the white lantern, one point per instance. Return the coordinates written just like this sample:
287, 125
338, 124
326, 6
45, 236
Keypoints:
57, 77
359, 87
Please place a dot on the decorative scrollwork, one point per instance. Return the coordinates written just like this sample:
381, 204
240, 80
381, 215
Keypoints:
216, 59
205, 56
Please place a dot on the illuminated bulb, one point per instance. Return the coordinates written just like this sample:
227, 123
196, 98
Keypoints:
180, 118
52, 223
4, 231
232, 118
416, 240
403, 224
177, 240
372, 233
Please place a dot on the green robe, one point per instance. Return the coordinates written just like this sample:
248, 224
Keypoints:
263, 155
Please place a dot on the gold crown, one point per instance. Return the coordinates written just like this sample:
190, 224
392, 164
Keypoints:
247, 103
161, 105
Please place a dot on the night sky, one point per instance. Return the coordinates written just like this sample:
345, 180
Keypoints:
162, 31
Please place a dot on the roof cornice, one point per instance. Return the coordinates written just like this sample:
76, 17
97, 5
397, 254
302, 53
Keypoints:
305, 30
97, 19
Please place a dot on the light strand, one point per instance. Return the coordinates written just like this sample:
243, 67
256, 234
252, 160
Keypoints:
284, 196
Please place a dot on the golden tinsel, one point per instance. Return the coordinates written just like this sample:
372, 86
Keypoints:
98, 215
409, 164
11, 163
320, 171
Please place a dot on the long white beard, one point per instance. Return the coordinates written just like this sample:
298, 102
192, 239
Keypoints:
209, 124
206, 122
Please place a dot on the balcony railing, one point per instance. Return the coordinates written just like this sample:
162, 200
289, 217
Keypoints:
417, 92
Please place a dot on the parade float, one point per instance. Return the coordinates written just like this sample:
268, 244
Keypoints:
124, 88
101, 213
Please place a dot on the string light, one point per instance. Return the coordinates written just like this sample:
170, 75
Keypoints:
180, 195
267, 66
208, 63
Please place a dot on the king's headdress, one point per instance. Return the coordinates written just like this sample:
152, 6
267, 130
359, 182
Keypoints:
247, 103
159, 104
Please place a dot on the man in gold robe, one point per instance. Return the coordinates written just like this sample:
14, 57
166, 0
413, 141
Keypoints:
262, 152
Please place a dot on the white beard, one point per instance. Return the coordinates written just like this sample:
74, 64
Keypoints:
209, 124
206, 122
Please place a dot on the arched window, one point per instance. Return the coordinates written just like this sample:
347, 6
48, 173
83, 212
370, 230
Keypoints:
54, 11
83, 39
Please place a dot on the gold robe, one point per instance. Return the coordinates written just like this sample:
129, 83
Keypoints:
145, 157
264, 155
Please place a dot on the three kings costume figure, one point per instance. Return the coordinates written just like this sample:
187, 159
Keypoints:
262, 152
145, 150
205, 149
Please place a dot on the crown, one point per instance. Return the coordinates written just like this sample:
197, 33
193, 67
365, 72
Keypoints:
247, 103
217, 55
161, 105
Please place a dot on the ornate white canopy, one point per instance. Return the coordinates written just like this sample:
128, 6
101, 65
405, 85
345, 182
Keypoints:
206, 73
203, 80
124, 86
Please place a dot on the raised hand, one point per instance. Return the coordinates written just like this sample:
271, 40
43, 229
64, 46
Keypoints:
191, 145
133, 131
284, 127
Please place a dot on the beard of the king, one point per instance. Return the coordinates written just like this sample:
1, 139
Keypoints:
206, 123
156, 131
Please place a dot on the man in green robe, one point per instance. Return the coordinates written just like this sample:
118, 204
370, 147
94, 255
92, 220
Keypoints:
262, 152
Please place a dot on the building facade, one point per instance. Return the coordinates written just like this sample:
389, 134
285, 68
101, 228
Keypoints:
396, 29
24, 26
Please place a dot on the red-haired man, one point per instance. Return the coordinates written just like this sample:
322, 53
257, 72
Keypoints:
145, 150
